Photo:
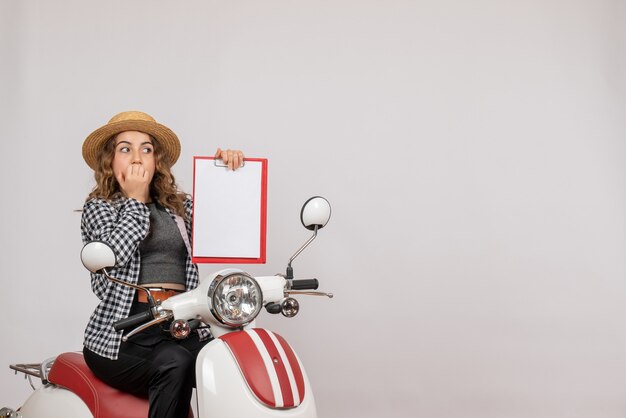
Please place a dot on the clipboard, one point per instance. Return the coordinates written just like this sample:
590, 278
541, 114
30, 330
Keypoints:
230, 212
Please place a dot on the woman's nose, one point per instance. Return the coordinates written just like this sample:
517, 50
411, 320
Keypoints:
136, 158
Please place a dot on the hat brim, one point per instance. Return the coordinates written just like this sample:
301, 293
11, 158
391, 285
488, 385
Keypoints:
167, 139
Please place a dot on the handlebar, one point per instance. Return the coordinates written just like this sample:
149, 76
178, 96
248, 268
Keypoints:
305, 284
133, 320
156, 315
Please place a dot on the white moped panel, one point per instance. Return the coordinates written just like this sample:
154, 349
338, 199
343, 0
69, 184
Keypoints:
54, 402
223, 392
273, 288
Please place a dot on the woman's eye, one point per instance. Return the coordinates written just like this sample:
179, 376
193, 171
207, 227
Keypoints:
147, 150
124, 149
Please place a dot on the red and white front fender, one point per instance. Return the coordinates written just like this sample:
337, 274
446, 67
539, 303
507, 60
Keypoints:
252, 373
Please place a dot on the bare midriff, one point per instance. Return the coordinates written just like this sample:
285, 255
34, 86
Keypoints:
167, 286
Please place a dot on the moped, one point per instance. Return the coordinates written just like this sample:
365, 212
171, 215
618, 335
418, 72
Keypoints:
244, 372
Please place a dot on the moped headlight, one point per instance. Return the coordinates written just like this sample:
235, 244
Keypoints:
236, 299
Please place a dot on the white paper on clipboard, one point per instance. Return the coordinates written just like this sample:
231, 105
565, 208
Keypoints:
229, 211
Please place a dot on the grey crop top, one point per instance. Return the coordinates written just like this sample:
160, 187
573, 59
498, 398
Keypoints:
163, 251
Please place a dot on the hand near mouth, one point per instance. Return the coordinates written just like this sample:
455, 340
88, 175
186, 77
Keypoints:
135, 182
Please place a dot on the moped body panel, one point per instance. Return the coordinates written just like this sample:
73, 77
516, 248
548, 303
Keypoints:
224, 392
52, 402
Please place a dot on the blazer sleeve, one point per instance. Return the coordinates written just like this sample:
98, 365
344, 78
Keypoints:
122, 227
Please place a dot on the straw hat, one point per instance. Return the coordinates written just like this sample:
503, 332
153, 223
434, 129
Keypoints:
132, 121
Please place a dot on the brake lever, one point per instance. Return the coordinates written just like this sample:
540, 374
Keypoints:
163, 316
309, 292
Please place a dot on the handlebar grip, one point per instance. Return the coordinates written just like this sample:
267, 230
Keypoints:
305, 284
133, 320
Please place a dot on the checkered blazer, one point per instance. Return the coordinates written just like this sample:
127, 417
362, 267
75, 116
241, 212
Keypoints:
123, 224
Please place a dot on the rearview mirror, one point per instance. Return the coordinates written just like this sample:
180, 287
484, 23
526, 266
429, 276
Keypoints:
315, 213
97, 255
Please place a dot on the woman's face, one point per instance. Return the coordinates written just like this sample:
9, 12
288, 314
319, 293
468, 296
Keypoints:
133, 147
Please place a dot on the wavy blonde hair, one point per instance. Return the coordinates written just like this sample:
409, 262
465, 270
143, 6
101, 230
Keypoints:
163, 188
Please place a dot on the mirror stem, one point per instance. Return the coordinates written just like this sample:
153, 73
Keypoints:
113, 279
306, 244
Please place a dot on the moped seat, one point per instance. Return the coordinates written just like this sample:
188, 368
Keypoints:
71, 372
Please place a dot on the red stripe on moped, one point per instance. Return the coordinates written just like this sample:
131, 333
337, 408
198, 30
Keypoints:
251, 365
295, 365
272, 373
279, 367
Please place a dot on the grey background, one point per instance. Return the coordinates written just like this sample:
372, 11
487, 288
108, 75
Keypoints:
473, 153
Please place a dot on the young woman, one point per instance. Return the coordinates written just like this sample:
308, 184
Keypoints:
137, 209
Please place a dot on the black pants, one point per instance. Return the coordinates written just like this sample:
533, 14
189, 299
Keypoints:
152, 364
